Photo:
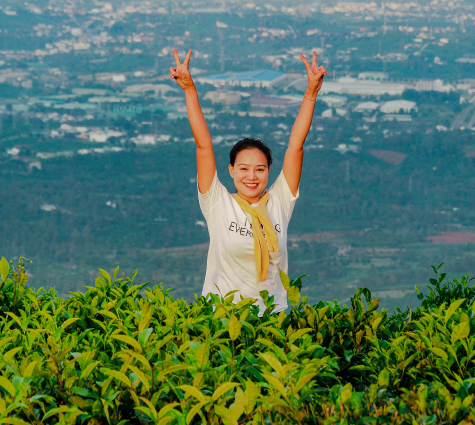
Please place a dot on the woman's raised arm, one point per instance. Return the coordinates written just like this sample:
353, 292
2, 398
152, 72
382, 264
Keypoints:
294, 156
205, 161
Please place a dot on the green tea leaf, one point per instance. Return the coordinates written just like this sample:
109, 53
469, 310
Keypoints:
120, 376
140, 358
195, 392
11, 353
194, 411
265, 341
165, 409
69, 322
275, 383
439, 352
224, 388
143, 378
234, 327
128, 340
88, 370
452, 308
4, 269
460, 331
274, 363
294, 295
7, 385
285, 280
202, 354
297, 334
105, 275
304, 380
61, 409
151, 407
383, 378
14, 421
250, 396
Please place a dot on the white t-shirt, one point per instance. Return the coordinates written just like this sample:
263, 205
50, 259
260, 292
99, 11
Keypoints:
231, 262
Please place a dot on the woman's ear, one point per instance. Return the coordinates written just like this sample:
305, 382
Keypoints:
231, 170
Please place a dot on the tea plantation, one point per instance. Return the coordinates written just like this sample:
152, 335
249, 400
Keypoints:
130, 354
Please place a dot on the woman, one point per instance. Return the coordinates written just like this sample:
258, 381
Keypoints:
248, 230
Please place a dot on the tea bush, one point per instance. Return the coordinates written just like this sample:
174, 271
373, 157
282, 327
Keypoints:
130, 354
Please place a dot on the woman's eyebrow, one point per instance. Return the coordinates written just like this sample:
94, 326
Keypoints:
260, 165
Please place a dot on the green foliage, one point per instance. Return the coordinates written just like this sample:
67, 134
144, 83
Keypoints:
447, 292
123, 353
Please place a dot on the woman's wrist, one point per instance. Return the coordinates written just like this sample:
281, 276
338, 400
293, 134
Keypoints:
311, 94
190, 89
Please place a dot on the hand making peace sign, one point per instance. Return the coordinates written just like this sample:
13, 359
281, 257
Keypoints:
315, 75
182, 73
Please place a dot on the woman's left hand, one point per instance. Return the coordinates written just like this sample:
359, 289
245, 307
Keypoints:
315, 75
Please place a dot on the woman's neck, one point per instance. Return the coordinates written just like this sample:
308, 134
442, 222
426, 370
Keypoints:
253, 200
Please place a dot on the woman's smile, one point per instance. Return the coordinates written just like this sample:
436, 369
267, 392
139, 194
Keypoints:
251, 185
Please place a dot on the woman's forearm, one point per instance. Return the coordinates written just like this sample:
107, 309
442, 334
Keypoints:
303, 121
197, 120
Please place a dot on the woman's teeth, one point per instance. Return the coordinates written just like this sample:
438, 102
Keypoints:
251, 186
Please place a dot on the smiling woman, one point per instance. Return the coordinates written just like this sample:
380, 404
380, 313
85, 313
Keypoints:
248, 230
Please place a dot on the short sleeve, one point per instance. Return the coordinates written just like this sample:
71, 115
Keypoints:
209, 199
280, 189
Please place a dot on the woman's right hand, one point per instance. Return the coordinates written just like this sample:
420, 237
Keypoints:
182, 73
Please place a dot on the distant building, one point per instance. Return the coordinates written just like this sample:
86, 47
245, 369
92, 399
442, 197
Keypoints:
107, 99
354, 86
102, 136
224, 97
333, 99
158, 89
341, 112
378, 76
433, 85
394, 106
273, 103
465, 60
144, 139
107, 76
367, 107
262, 78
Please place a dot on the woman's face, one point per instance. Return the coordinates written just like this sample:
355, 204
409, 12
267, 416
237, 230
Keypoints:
250, 174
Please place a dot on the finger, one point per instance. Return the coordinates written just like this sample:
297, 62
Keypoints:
321, 72
188, 57
305, 62
177, 59
314, 59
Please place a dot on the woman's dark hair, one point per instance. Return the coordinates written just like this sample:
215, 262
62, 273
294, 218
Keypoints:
250, 143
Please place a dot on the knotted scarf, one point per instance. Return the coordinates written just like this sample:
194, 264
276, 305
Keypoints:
262, 245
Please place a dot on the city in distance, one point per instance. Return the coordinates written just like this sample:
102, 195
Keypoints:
97, 157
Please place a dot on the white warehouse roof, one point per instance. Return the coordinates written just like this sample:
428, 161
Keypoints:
394, 106
362, 87
367, 106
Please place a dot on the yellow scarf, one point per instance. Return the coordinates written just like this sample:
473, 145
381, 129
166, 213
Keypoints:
262, 244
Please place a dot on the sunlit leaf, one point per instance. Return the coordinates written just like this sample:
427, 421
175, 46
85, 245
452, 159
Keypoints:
234, 327
224, 388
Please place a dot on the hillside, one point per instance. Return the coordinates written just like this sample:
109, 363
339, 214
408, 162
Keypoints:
360, 221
